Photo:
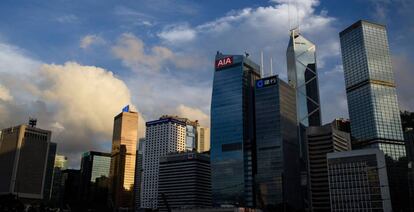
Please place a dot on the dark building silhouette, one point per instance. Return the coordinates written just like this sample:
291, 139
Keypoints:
277, 146
321, 140
184, 181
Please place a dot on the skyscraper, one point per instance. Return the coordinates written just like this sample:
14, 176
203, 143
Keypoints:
203, 139
139, 173
168, 134
24, 155
372, 101
47, 191
233, 130
321, 140
184, 181
122, 169
277, 146
303, 76
94, 168
358, 181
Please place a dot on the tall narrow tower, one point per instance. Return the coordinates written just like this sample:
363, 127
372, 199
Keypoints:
302, 75
124, 145
372, 101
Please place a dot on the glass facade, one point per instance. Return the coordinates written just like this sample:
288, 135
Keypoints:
372, 101
372, 98
232, 131
277, 147
302, 75
190, 139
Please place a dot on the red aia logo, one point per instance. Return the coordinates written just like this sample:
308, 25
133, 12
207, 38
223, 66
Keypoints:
224, 62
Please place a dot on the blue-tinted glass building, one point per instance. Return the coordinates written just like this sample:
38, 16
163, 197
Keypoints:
277, 146
372, 100
233, 130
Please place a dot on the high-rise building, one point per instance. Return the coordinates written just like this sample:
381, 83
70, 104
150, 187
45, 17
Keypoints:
24, 155
184, 181
232, 151
138, 173
372, 101
168, 134
69, 188
321, 140
303, 77
122, 169
56, 196
47, 190
94, 167
358, 181
277, 146
203, 139
61, 162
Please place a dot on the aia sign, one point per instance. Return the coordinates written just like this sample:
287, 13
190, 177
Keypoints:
224, 62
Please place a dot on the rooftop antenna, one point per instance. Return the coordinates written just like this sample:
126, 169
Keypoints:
297, 15
32, 122
261, 66
271, 66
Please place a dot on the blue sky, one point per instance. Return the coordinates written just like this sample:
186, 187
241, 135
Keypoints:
74, 64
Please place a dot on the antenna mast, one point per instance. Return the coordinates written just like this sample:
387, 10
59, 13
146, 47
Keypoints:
261, 66
271, 66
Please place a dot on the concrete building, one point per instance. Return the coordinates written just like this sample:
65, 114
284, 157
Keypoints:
184, 181
372, 101
358, 181
163, 136
203, 139
24, 156
61, 162
232, 153
277, 146
332, 137
122, 169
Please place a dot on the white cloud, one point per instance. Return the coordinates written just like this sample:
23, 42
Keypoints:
193, 114
89, 40
76, 102
5, 94
70, 18
177, 34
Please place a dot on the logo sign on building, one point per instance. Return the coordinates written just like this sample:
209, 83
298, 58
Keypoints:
266, 82
224, 62
125, 109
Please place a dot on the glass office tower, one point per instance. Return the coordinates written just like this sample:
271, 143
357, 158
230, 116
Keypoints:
277, 146
233, 130
302, 75
372, 100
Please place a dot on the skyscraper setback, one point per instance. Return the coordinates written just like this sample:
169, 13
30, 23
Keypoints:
372, 100
122, 169
233, 130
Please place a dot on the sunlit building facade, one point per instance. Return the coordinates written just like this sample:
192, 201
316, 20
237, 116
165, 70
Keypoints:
163, 136
203, 139
122, 168
372, 101
233, 130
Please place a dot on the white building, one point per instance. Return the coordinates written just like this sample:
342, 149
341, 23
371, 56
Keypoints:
166, 135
